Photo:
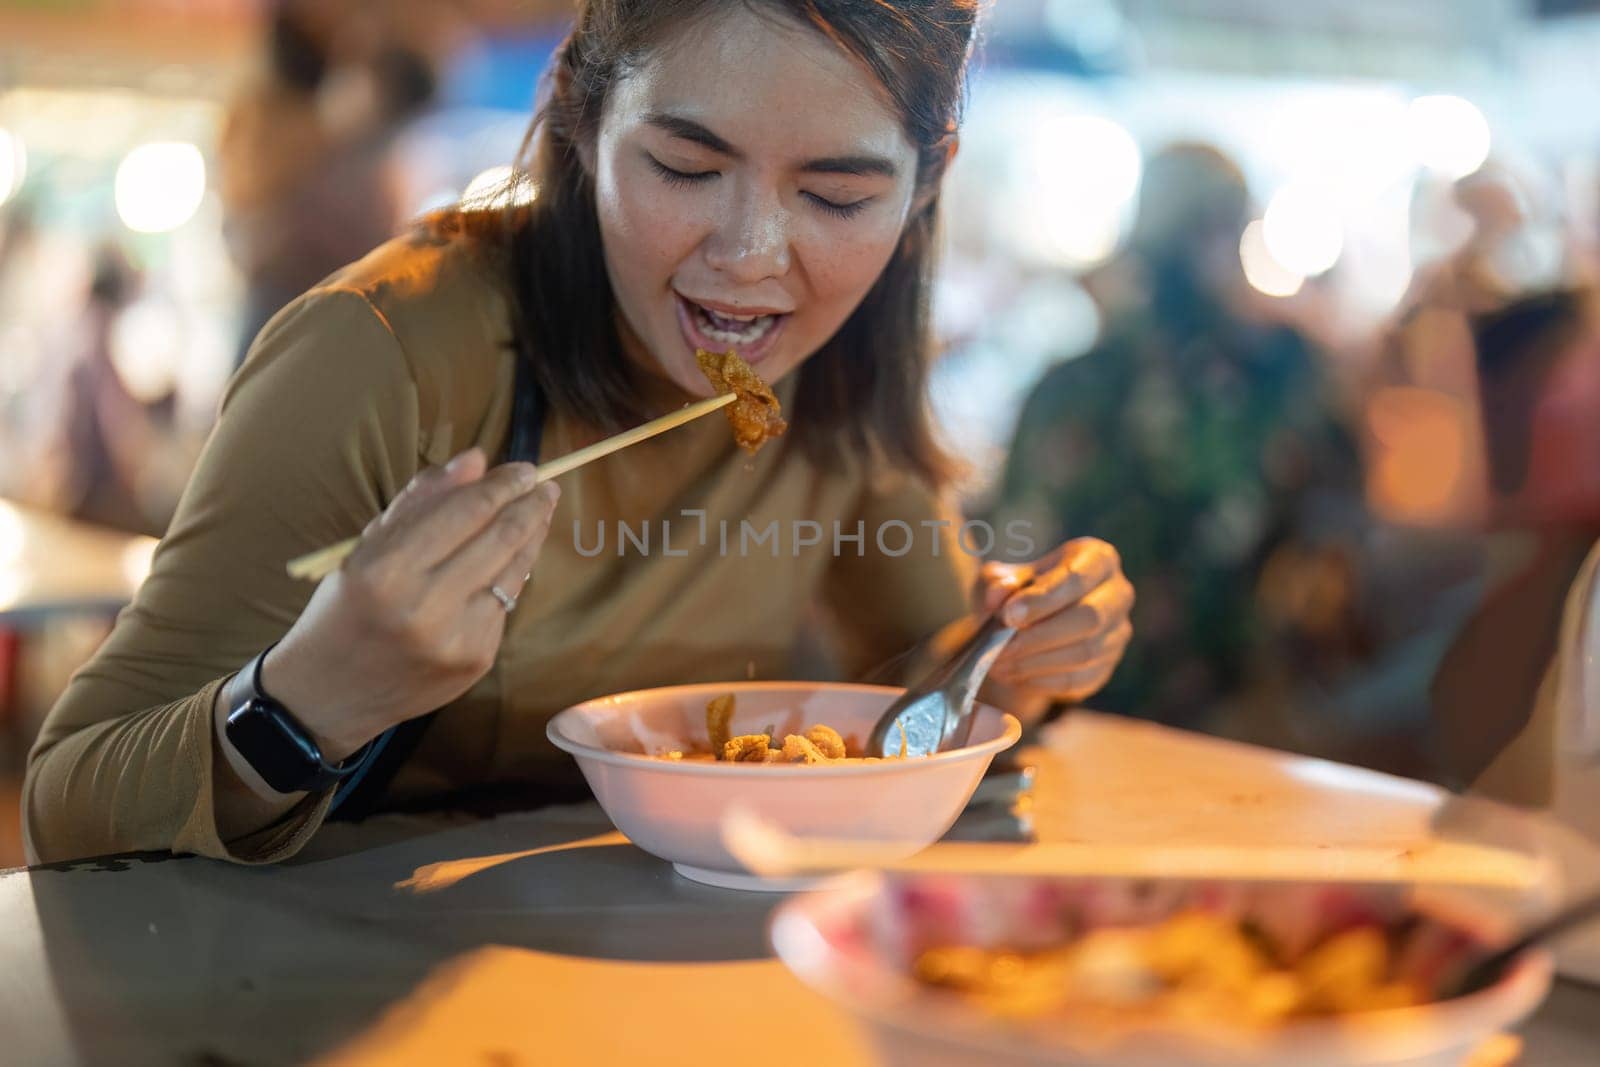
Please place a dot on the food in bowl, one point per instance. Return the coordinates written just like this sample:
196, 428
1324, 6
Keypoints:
818, 744
1020, 971
756, 416
1195, 964
675, 809
1231, 954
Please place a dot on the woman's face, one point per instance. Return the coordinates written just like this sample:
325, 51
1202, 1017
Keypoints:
751, 183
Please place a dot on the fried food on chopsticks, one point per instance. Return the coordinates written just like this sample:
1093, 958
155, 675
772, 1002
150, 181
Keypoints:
756, 416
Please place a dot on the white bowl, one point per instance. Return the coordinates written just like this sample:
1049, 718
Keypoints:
833, 940
674, 809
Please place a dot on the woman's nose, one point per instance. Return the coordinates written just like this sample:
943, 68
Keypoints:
752, 242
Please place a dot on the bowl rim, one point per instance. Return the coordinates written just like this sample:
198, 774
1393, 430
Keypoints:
852, 891
1010, 734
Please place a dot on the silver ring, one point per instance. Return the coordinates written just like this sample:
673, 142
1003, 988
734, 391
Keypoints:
507, 601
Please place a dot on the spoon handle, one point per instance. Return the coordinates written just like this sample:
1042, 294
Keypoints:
963, 676
1488, 969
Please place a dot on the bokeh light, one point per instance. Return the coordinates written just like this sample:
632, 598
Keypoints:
1264, 273
137, 558
159, 186
1423, 441
12, 582
13, 164
1449, 135
1303, 229
12, 535
1081, 177
147, 346
498, 187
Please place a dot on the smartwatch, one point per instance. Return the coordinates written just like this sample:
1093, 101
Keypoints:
274, 743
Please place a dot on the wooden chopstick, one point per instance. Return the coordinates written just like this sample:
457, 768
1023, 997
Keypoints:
768, 850
315, 566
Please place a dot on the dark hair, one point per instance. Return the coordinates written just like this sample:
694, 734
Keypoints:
406, 82
113, 278
1515, 347
297, 57
865, 391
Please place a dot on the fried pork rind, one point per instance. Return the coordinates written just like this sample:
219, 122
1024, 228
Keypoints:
747, 748
827, 741
819, 744
756, 416
719, 717
797, 749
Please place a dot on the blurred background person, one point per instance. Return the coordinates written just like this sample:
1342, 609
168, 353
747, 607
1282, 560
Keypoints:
305, 172
1205, 442
1539, 363
96, 438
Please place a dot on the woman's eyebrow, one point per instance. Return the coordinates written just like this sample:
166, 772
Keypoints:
854, 165
689, 130
866, 166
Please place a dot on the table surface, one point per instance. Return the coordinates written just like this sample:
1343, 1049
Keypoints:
50, 565
544, 937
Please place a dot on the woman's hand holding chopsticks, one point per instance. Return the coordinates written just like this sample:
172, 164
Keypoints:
415, 615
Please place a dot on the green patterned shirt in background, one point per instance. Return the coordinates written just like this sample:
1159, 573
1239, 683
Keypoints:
1208, 451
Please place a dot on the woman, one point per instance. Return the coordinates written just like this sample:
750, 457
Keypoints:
756, 176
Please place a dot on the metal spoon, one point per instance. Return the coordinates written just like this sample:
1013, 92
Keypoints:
1486, 971
936, 714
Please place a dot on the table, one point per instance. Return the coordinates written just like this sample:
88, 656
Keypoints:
545, 938
50, 565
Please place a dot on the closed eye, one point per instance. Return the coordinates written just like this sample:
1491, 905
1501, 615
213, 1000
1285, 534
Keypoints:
673, 176
843, 211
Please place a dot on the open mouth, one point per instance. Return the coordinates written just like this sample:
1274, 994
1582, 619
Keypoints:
752, 336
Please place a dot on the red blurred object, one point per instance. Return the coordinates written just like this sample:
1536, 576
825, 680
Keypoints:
10, 657
1562, 487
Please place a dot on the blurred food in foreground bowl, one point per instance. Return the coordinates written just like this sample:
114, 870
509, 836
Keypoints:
965, 969
674, 808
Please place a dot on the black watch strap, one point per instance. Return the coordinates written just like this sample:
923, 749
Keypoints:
277, 746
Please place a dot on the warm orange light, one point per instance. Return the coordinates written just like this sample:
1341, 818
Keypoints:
1425, 456
510, 1006
437, 876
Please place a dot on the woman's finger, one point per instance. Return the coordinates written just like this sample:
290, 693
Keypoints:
1083, 565
443, 524
489, 556
1074, 682
518, 573
486, 614
998, 581
1101, 611
463, 469
1079, 656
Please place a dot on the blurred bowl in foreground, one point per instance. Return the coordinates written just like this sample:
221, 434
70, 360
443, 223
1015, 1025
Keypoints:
865, 941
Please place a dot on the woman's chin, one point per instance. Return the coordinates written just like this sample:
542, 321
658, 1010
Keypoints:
686, 379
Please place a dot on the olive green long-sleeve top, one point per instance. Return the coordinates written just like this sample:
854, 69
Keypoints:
395, 364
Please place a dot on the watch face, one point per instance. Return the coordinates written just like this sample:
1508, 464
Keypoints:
274, 745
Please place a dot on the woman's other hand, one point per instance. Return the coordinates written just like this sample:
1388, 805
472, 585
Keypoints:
1074, 621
